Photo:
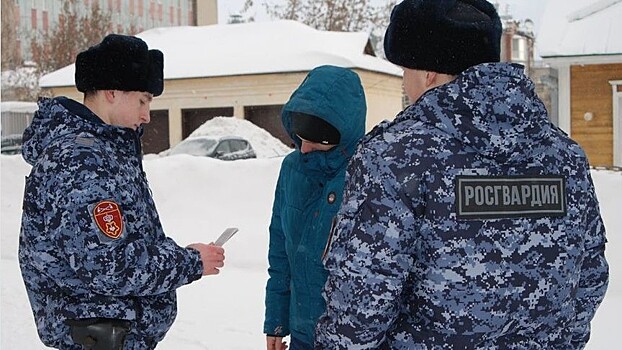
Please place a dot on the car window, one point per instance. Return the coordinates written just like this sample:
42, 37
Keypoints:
224, 147
195, 147
11, 144
12, 140
237, 145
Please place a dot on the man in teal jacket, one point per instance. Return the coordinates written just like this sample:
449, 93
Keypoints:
325, 117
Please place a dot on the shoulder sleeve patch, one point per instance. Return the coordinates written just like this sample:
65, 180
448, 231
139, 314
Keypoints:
85, 141
107, 216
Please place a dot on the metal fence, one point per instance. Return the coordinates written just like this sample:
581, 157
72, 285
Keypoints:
16, 116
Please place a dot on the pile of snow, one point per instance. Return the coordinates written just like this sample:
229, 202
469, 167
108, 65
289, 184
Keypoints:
580, 28
264, 144
18, 107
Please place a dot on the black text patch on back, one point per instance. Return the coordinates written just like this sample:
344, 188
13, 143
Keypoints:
494, 197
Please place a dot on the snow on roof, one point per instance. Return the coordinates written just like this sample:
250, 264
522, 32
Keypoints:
18, 106
264, 144
580, 28
249, 48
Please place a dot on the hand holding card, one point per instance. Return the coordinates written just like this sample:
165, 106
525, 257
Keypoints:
224, 237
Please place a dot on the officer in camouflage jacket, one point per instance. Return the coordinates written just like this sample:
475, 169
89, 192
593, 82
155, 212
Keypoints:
469, 221
98, 268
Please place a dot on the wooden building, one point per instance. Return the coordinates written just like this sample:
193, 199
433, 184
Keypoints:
582, 40
247, 71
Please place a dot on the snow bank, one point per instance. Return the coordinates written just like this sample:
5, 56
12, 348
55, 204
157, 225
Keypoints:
265, 145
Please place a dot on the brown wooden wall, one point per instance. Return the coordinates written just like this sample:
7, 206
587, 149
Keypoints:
590, 91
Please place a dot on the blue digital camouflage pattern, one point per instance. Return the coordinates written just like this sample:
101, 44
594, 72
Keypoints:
405, 273
307, 197
70, 268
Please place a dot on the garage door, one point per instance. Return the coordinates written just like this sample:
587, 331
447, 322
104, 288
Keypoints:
156, 136
268, 118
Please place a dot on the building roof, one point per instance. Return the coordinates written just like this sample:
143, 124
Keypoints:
18, 106
580, 28
249, 48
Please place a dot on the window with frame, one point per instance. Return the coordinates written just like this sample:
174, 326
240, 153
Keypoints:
238, 145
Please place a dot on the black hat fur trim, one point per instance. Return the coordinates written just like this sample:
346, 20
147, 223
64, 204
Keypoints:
443, 36
120, 62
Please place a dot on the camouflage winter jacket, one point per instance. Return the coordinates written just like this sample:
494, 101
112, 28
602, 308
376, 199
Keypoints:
91, 243
468, 222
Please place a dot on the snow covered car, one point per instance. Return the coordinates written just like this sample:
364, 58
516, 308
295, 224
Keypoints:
11, 144
224, 148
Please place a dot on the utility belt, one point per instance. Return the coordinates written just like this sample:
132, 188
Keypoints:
99, 333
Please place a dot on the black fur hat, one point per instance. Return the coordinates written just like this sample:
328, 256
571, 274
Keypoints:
443, 36
120, 62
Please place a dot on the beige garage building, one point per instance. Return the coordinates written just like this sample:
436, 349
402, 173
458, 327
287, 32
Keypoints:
247, 71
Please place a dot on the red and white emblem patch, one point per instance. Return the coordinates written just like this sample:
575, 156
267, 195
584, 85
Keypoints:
108, 218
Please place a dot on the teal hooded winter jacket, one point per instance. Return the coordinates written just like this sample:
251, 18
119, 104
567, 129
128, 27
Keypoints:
307, 197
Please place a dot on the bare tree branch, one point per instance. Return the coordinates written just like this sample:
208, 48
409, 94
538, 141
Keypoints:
73, 33
334, 15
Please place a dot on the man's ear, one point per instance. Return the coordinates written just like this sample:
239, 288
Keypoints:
430, 79
110, 95
434, 79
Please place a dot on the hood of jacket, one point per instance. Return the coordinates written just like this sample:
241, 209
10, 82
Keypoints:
491, 108
335, 95
61, 117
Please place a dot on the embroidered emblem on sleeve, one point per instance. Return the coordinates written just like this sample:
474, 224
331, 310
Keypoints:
108, 218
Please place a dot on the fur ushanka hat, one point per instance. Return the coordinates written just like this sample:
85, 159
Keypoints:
443, 36
120, 62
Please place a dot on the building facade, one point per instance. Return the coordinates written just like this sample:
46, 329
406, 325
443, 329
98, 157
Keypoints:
517, 40
518, 46
33, 17
188, 103
247, 71
580, 39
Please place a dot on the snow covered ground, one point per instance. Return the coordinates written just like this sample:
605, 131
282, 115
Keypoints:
197, 199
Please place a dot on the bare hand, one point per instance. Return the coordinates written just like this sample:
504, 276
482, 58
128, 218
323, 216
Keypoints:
275, 343
212, 257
